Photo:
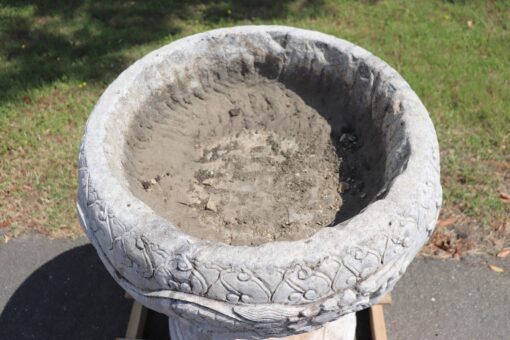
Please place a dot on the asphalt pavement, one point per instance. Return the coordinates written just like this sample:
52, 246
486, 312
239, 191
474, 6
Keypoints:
451, 299
58, 289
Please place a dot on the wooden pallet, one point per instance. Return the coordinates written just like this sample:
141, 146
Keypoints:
377, 324
138, 316
136, 323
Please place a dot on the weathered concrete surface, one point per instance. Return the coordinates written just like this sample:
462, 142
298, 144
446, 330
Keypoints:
58, 290
450, 300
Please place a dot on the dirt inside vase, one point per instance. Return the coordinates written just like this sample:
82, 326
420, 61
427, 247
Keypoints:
247, 163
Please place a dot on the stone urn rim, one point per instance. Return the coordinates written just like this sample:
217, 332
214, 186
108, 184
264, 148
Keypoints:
104, 195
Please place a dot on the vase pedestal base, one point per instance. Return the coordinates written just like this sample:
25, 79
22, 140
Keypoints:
341, 329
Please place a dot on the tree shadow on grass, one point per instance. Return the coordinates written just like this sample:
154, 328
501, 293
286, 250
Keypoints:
69, 297
90, 41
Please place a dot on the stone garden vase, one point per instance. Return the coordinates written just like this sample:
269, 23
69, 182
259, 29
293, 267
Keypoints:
212, 290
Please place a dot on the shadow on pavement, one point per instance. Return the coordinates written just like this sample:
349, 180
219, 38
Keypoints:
70, 297
73, 297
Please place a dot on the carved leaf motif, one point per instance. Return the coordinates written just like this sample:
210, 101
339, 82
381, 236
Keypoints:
302, 284
91, 193
178, 273
136, 250
329, 267
344, 279
361, 261
163, 277
245, 285
116, 228
104, 232
239, 286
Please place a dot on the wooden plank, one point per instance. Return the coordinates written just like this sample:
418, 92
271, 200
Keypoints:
377, 325
136, 323
385, 300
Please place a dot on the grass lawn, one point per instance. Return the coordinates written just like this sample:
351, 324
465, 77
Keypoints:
56, 57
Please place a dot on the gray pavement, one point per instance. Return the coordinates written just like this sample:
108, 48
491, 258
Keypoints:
450, 300
60, 290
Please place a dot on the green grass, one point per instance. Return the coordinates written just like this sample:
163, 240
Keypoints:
56, 57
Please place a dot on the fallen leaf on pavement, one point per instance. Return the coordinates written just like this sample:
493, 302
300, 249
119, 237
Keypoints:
496, 269
504, 197
6, 238
503, 253
446, 221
